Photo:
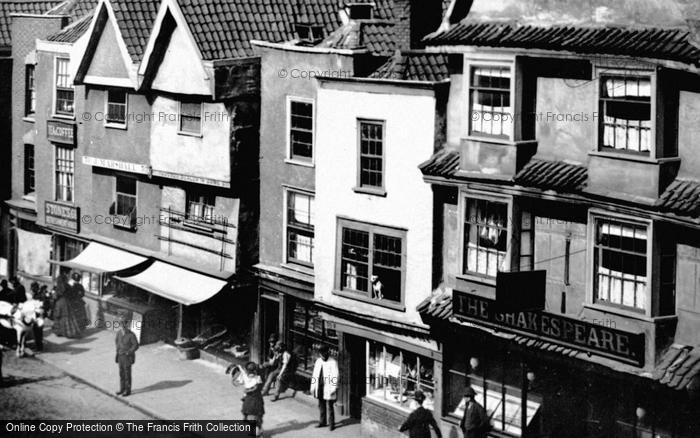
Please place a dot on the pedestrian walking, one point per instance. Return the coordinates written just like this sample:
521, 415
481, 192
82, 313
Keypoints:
65, 323
475, 422
420, 420
5, 291
77, 292
324, 386
253, 408
287, 372
126, 355
37, 329
272, 367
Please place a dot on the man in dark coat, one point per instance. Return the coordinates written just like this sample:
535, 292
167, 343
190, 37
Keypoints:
126, 355
475, 423
19, 294
5, 292
419, 421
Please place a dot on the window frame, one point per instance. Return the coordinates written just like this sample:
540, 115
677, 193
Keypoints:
29, 171
290, 158
600, 72
55, 174
366, 189
180, 131
287, 192
116, 124
30, 92
56, 89
471, 63
594, 215
372, 229
124, 224
477, 195
199, 220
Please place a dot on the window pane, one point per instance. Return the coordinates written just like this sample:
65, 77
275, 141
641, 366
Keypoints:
116, 106
355, 260
386, 269
490, 112
371, 154
191, 117
485, 236
626, 122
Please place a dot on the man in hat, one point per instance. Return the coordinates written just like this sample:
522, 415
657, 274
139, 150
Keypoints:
126, 355
324, 386
419, 421
475, 423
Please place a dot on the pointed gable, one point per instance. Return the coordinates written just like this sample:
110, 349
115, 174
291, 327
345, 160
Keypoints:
103, 63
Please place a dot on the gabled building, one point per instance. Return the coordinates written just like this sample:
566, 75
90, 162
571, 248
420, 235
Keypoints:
568, 179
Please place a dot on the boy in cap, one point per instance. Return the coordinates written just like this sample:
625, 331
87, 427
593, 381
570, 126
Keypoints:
419, 421
127, 344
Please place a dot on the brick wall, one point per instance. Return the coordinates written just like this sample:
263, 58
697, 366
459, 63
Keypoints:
415, 19
381, 421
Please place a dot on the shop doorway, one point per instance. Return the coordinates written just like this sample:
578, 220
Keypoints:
357, 350
270, 322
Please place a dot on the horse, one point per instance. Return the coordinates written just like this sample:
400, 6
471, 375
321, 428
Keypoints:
22, 318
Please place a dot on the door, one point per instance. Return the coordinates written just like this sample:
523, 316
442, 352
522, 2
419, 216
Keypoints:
357, 350
270, 322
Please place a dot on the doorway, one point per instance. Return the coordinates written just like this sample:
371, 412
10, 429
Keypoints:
357, 350
270, 322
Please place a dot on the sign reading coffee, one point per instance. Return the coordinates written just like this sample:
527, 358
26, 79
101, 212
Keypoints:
582, 335
62, 216
60, 132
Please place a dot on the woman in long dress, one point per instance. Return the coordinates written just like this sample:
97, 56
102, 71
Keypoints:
64, 321
77, 301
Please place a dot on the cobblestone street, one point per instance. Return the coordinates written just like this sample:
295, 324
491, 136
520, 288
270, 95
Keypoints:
35, 390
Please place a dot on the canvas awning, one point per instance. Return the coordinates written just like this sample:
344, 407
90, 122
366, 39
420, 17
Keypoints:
100, 258
175, 283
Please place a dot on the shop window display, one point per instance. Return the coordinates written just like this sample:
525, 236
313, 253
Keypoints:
393, 375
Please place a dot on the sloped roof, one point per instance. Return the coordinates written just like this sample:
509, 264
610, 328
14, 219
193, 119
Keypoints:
223, 28
660, 43
679, 368
135, 19
376, 36
9, 7
444, 164
414, 66
75, 9
682, 197
553, 175
72, 33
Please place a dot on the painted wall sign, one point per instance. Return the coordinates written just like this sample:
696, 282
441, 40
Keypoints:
117, 165
581, 335
62, 216
192, 179
60, 132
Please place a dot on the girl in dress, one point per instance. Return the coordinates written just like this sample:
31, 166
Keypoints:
253, 405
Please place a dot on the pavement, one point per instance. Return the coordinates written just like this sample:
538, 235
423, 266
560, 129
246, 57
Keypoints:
166, 387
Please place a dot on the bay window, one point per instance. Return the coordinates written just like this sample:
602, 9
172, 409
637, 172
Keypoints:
620, 263
371, 262
490, 103
626, 122
394, 375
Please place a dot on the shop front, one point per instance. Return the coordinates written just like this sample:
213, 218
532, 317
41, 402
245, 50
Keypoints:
534, 386
381, 367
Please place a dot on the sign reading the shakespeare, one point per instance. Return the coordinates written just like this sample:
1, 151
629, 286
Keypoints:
581, 335
60, 132
62, 216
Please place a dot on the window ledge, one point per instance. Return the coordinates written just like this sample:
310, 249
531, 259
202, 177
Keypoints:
299, 162
29, 118
306, 270
63, 116
476, 278
628, 313
370, 191
190, 134
381, 303
633, 157
112, 125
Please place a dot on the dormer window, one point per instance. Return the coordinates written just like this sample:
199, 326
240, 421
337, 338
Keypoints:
308, 33
490, 101
361, 11
625, 105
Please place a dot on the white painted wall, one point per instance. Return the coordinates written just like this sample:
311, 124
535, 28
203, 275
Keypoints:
409, 133
181, 71
207, 156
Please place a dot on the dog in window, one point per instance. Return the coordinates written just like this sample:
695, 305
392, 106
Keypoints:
377, 288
